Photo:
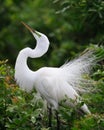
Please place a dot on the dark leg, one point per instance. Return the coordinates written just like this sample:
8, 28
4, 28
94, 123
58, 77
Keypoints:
58, 121
50, 117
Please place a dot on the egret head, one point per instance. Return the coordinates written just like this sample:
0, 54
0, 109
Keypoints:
42, 43
40, 37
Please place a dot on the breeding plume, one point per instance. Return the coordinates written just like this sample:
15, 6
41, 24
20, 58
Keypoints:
53, 84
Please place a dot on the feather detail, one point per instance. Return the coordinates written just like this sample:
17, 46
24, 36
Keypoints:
77, 69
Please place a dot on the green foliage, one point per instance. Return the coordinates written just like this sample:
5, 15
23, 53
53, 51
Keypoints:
93, 122
70, 25
86, 18
20, 110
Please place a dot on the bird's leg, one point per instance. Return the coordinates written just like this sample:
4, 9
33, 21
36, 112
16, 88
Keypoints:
49, 116
58, 121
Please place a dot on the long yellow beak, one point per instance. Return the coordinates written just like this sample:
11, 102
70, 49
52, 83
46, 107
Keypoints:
30, 29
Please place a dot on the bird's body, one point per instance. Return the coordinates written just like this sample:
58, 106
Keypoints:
53, 84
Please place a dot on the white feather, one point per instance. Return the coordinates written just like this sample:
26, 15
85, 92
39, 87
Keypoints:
76, 70
53, 84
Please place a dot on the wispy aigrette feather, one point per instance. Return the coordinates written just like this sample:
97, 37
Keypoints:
76, 69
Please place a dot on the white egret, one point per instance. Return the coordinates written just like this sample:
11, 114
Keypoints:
53, 84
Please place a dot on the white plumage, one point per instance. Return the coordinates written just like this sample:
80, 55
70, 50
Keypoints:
53, 84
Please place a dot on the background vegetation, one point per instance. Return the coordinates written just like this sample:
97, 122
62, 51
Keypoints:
71, 25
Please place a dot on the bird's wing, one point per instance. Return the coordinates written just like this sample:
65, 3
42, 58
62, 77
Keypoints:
47, 89
76, 70
54, 90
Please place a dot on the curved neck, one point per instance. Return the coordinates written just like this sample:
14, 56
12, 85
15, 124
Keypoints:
23, 75
21, 62
42, 44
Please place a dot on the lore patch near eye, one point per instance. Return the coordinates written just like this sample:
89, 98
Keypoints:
37, 33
